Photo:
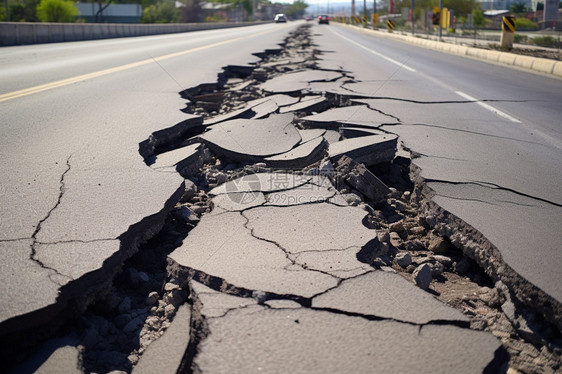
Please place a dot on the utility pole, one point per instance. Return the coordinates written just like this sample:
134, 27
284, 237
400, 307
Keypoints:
440, 15
365, 12
7, 11
412, 16
352, 8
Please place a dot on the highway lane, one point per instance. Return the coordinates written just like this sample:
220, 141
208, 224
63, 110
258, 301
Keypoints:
73, 183
531, 98
27, 66
494, 163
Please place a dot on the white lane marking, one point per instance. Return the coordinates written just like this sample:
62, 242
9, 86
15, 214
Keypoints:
488, 107
402, 65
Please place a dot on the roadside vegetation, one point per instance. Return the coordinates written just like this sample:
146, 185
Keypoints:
56, 11
154, 11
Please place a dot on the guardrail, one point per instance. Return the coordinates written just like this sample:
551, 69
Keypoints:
17, 33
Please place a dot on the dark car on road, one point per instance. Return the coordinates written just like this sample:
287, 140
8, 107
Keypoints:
324, 19
280, 18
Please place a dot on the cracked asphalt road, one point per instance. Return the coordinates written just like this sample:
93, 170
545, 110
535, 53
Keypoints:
296, 261
470, 153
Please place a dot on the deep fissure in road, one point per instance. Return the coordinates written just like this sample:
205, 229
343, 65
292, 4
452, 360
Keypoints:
414, 237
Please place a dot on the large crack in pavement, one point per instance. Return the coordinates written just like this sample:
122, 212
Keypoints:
63, 278
302, 232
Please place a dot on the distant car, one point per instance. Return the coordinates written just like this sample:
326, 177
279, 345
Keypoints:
308, 18
324, 19
280, 18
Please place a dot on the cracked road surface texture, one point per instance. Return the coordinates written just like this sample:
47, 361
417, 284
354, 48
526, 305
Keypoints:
71, 265
299, 258
302, 340
500, 177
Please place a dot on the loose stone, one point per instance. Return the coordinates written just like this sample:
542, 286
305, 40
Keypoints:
403, 259
422, 276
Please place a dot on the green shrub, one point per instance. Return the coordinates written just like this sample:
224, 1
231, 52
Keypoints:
545, 41
161, 12
521, 39
525, 24
56, 11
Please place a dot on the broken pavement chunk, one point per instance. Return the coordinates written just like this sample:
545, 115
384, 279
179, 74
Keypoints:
358, 115
165, 355
237, 201
310, 227
55, 356
221, 248
339, 263
214, 304
265, 109
305, 194
308, 105
332, 136
310, 134
168, 136
280, 100
262, 182
300, 156
354, 132
245, 112
184, 159
311, 341
252, 140
359, 177
387, 295
368, 150
298, 81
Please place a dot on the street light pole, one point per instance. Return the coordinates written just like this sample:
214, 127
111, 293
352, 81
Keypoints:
412, 10
440, 15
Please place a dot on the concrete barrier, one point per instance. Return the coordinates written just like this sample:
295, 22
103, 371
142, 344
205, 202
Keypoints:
543, 65
18, 33
532, 64
525, 62
557, 69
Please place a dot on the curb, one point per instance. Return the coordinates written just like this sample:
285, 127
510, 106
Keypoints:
532, 64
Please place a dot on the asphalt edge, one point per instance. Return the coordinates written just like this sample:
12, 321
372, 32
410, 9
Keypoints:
535, 65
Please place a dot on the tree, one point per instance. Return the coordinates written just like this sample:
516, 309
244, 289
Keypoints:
101, 7
518, 8
478, 17
162, 12
23, 10
57, 11
191, 12
296, 9
461, 7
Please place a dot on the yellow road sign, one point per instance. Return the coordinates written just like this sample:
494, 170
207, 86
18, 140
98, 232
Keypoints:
508, 24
